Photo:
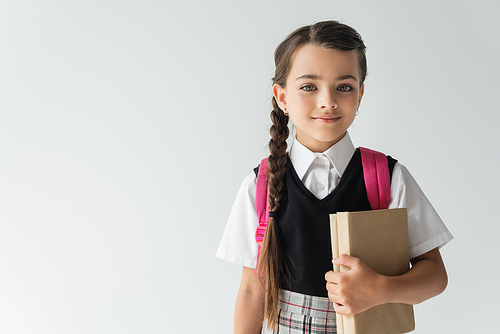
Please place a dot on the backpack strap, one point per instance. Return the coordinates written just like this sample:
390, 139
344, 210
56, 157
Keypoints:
261, 203
377, 178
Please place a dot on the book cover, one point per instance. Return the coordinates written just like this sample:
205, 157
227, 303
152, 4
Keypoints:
380, 239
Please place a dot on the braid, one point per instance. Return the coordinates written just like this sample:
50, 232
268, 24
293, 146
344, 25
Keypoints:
277, 159
270, 258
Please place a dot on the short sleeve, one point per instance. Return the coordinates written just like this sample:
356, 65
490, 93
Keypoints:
425, 228
238, 243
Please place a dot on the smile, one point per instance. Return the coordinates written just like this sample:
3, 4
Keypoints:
326, 118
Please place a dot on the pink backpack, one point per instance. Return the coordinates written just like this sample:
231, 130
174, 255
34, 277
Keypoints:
377, 182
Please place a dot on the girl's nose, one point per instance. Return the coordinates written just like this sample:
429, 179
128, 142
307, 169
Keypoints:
327, 100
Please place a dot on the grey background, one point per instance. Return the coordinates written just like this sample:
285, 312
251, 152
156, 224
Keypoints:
126, 129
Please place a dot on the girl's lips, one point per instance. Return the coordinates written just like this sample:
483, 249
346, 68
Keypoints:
326, 118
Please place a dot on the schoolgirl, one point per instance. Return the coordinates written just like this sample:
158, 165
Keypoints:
318, 85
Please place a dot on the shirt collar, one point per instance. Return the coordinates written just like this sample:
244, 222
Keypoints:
339, 154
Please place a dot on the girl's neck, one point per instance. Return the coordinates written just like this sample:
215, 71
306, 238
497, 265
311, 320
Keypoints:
319, 147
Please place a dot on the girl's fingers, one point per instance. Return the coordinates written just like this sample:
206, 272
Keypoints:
346, 261
331, 288
332, 277
342, 309
338, 303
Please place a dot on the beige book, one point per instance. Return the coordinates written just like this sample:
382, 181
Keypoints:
380, 239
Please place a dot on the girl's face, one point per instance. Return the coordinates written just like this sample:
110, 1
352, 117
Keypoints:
322, 95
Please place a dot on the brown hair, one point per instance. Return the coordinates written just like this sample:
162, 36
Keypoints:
330, 35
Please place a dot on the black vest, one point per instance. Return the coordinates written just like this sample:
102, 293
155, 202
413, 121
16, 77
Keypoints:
304, 226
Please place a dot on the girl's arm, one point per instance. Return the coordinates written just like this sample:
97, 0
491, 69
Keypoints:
362, 288
249, 309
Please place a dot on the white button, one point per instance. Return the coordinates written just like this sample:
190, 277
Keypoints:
320, 186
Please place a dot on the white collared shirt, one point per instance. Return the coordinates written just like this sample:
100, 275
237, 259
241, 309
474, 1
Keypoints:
320, 173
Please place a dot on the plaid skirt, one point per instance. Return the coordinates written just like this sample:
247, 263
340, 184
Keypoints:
303, 314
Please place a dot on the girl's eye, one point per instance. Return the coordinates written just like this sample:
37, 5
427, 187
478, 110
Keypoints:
308, 88
344, 88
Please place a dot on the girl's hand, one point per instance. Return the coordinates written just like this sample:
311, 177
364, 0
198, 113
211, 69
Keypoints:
356, 290
361, 288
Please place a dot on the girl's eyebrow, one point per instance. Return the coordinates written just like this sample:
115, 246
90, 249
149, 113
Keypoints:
348, 76
309, 76
317, 77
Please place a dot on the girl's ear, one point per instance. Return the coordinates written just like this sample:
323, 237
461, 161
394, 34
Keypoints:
361, 92
280, 96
